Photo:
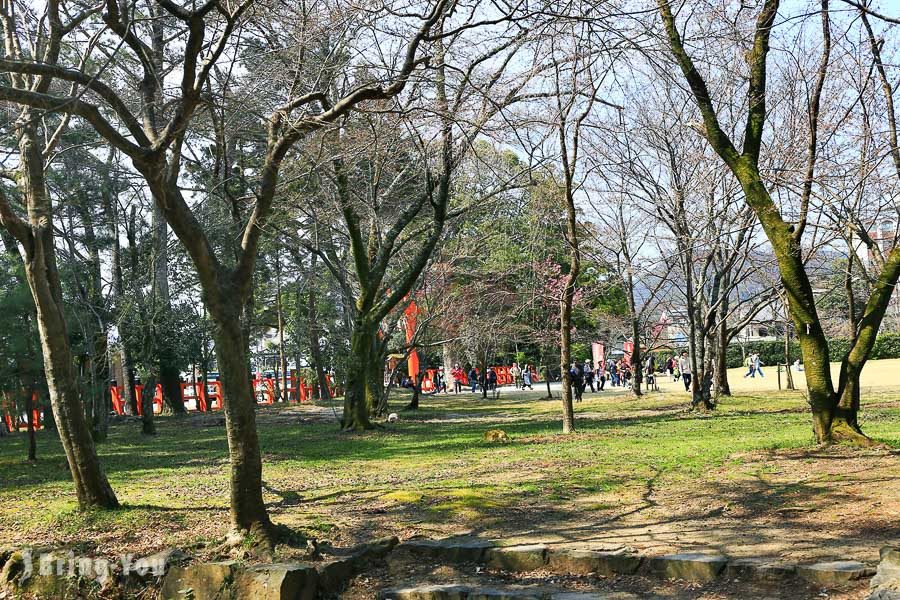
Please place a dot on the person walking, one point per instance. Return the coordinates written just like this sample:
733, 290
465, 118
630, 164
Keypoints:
751, 367
473, 379
576, 375
458, 375
527, 377
613, 370
516, 374
588, 376
601, 376
491, 379
757, 364
684, 366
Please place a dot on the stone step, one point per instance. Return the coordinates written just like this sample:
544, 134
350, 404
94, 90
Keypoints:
691, 566
466, 549
593, 562
462, 592
835, 573
518, 558
886, 583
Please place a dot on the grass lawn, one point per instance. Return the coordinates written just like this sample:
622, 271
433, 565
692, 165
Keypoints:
745, 480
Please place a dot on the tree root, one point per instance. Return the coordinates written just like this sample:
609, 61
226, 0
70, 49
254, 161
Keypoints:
843, 433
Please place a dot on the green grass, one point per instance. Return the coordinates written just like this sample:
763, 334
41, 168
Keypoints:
432, 467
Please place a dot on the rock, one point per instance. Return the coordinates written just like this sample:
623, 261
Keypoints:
426, 592
199, 581
759, 569
495, 435
517, 558
157, 565
834, 573
887, 579
450, 549
277, 582
600, 562
462, 592
598, 596
335, 574
506, 594
378, 548
691, 566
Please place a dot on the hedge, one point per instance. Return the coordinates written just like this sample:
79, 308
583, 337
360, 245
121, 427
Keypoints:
887, 345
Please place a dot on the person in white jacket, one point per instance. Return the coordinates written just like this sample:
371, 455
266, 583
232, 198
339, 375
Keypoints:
684, 365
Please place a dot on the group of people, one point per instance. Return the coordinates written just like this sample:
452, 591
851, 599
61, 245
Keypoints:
754, 366
619, 373
523, 377
582, 375
679, 367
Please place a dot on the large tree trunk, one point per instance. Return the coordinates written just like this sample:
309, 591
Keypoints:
39, 255
248, 511
360, 396
91, 486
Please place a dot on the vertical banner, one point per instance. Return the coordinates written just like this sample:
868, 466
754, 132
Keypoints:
412, 362
628, 349
598, 354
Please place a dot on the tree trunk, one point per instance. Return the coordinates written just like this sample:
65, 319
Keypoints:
39, 254
91, 486
414, 403
248, 511
636, 357
170, 379
128, 380
315, 350
281, 381
361, 396
565, 358
100, 387
722, 387
148, 427
787, 357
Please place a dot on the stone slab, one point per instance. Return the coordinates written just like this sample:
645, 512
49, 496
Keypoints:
200, 581
599, 562
426, 592
518, 558
689, 566
887, 577
277, 581
760, 569
449, 549
598, 596
833, 573
335, 574
462, 592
